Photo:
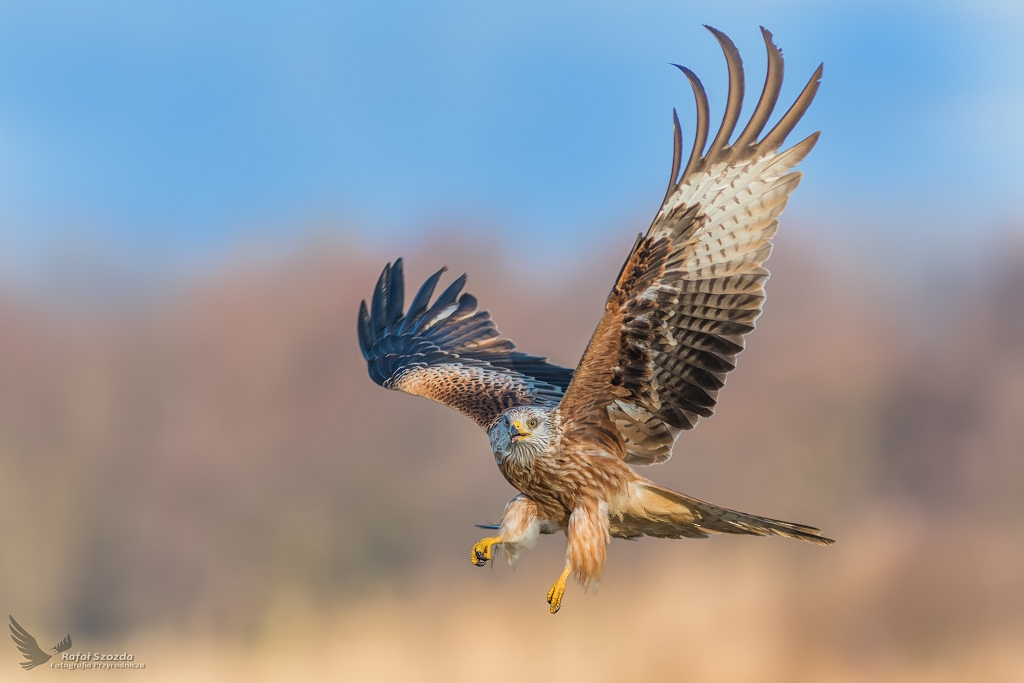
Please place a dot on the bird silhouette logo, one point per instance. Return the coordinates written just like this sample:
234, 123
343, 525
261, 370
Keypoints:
30, 648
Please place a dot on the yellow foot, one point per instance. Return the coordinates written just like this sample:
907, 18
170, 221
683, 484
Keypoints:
557, 591
481, 552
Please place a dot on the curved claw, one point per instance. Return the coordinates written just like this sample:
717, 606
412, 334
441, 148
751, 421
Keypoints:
557, 591
481, 552
555, 596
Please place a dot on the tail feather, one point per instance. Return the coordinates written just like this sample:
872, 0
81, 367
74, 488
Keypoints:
652, 510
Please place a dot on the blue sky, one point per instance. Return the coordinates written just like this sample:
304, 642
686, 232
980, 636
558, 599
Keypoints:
167, 132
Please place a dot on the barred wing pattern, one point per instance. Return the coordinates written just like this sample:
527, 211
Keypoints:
693, 286
451, 352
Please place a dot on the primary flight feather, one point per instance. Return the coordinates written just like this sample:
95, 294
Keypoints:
685, 299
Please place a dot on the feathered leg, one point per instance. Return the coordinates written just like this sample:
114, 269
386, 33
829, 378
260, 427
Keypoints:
522, 522
585, 552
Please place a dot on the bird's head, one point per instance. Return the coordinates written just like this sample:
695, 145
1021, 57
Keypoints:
523, 432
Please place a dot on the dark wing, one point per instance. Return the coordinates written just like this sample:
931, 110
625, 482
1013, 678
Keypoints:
64, 645
28, 646
451, 352
692, 287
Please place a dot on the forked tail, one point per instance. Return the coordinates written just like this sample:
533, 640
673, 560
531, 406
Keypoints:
653, 510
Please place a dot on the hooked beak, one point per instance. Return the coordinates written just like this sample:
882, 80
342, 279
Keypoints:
517, 432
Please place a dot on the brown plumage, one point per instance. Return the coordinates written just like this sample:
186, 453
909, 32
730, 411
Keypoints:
686, 297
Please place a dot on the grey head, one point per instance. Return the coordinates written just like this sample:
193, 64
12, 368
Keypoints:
523, 433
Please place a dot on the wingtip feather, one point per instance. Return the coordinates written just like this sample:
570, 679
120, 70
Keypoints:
677, 153
378, 305
747, 140
421, 301
396, 292
777, 135
363, 328
734, 103
703, 118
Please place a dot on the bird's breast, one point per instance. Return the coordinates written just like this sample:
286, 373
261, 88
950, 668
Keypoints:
566, 478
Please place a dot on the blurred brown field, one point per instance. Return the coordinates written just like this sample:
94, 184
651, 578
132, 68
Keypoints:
212, 482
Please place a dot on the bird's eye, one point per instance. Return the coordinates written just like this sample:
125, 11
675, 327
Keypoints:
507, 423
532, 423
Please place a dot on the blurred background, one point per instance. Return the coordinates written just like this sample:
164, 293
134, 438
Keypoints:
195, 467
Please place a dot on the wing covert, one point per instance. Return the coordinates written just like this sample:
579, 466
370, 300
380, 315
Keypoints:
693, 285
450, 351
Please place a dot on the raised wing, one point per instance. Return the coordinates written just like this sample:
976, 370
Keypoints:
450, 351
28, 646
693, 286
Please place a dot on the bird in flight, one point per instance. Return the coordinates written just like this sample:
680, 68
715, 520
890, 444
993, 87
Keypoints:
683, 302
30, 648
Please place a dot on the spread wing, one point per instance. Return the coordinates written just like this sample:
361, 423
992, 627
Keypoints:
693, 286
28, 646
450, 351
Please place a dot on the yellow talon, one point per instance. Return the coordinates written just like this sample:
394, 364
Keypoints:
481, 552
557, 591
